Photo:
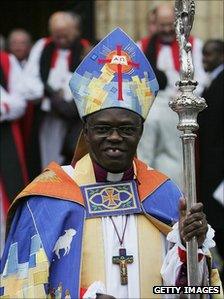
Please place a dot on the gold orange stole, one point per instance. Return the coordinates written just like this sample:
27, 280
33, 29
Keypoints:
149, 240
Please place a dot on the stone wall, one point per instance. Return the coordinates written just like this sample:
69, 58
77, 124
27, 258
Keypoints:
131, 15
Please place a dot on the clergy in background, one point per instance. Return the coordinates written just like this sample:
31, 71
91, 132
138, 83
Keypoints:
19, 43
103, 226
13, 171
45, 80
160, 145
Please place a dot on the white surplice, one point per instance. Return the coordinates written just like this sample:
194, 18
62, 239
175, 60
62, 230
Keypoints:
12, 104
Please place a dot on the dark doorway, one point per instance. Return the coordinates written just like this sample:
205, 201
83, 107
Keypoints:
33, 15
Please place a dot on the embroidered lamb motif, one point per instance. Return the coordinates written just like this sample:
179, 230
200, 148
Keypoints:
64, 242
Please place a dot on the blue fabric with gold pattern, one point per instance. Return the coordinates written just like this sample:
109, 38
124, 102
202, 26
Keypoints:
36, 244
42, 255
115, 73
108, 199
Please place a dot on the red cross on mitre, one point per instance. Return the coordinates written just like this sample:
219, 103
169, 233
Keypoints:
119, 62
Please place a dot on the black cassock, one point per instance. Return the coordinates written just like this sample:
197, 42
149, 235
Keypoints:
211, 150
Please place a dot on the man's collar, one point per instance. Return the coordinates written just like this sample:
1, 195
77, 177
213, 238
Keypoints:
104, 176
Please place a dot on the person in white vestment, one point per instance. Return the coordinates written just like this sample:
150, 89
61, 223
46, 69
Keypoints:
12, 104
160, 145
12, 108
45, 80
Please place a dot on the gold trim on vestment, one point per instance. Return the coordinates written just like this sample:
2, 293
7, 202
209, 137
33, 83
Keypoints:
93, 258
84, 173
150, 257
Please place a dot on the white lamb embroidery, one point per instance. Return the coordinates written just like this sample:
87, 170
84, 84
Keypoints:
64, 242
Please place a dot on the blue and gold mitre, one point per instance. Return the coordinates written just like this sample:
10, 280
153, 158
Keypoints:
115, 73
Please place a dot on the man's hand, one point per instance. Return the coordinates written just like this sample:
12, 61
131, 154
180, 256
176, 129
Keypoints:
193, 223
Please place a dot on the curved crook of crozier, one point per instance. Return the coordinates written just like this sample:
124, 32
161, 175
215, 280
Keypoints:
184, 17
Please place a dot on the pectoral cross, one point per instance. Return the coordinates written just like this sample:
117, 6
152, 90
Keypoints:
122, 260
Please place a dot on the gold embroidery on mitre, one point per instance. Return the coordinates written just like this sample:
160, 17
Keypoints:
96, 92
142, 90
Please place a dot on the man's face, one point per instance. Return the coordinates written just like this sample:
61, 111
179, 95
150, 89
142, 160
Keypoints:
113, 149
20, 45
165, 26
211, 57
64, 36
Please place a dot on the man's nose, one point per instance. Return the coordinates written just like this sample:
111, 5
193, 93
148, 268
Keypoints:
114, 136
